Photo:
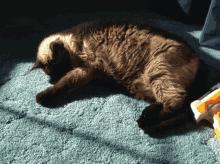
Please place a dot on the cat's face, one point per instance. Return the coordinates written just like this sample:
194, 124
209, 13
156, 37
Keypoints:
54, 62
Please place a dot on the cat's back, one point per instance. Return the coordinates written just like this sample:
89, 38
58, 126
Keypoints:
129, 49
113, 33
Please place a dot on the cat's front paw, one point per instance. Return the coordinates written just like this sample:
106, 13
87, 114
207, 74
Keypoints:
150, 116
45, 97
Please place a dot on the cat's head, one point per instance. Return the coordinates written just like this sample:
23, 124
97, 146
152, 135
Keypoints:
53, 57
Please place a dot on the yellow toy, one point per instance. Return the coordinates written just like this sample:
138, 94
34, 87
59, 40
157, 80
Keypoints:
207, 107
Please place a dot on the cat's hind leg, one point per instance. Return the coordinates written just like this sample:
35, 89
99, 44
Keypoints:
170, 97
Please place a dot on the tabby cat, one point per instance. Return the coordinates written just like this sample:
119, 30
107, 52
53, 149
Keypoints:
152, 65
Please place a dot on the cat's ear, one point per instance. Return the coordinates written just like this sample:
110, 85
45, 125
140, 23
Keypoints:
38, 64
57, 47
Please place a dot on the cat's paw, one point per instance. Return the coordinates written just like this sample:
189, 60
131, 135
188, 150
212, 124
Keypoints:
169, 124
45, 97
150, 116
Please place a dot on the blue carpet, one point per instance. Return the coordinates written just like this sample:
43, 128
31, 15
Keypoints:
93, 124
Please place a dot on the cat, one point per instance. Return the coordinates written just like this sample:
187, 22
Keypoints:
152, 64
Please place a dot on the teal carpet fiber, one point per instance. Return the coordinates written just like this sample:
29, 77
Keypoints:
93, 124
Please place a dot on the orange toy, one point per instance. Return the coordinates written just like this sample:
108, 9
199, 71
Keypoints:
207, 108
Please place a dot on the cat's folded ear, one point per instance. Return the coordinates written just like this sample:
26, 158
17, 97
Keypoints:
38, 64
57, 47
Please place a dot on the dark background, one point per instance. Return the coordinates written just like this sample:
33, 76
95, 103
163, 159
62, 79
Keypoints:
44, 10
